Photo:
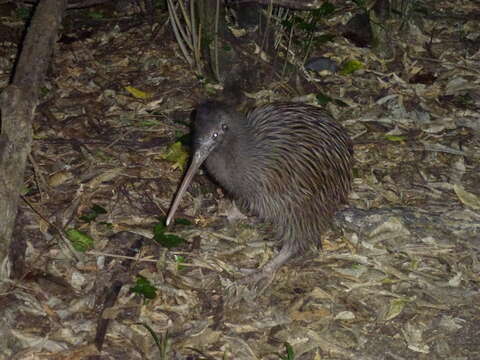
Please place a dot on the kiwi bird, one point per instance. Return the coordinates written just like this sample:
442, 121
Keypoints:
288, 163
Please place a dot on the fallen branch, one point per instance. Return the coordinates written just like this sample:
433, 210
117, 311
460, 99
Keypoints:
18, 102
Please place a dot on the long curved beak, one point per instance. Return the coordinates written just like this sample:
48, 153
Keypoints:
197, 160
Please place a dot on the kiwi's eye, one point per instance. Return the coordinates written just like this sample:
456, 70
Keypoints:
215, 135
224, 127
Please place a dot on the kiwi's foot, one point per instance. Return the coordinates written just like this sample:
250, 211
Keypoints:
250, 286
257, 281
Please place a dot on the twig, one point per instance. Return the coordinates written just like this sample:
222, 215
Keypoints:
60, 232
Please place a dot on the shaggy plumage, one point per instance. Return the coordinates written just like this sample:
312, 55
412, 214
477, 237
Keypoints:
288, 163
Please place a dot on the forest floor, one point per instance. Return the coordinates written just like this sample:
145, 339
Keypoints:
400, 280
